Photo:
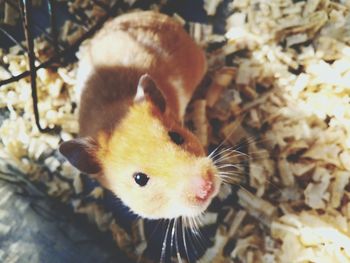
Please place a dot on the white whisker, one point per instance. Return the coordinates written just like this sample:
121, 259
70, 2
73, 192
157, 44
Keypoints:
184, 237
231, 170
162, 256
178, 255
226, 151
238, 172
233, 129
228, 156
230, 180
196, 232
172, 237
228, 165
190, 235
222, 151
230, 175
213, 153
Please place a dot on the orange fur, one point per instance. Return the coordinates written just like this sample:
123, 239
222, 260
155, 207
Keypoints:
141, 144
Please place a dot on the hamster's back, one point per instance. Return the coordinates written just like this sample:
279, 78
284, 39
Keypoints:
131, 45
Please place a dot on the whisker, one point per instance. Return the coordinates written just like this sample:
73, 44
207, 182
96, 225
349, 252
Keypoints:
249, 140
198, 224
232, 168
230, 175
230, 181
263, 154
227, 157
150, 238
155, 228
258, 155
241, 164
237, 168
232, 154
162, 256
233, 171
190, 237
226, 150
221, 151
196, 233
178, 255
252, 139
172, 237
213, 153
260, 140
239, 121
234, 177
228, 165
184, 238
245, 190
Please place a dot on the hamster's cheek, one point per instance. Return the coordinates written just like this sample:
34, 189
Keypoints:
162, 203
149, 201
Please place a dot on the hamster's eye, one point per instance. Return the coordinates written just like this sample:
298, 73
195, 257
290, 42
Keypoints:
141, 179
176, 137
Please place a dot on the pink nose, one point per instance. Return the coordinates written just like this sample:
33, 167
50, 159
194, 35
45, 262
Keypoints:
203, 189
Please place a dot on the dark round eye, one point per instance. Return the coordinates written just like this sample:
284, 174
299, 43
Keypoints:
176, 137
141, 179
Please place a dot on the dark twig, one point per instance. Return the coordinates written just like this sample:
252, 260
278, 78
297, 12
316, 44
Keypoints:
53, 24
70, 50
9, 36
38, 27
27, 14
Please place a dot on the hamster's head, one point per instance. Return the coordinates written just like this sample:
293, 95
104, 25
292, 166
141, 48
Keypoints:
150, 161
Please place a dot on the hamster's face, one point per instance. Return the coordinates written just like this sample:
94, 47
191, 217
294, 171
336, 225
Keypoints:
153, 164
157, 167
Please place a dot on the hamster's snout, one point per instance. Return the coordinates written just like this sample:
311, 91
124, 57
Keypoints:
203, 187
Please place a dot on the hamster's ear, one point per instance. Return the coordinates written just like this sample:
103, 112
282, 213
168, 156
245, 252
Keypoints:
147, 88
81, 154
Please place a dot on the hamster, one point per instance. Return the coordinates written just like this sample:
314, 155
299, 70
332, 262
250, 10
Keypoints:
136, 76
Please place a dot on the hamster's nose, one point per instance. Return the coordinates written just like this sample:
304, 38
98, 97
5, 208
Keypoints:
204, 187
204, 191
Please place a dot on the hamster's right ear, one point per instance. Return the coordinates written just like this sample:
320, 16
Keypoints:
147, 87
81, 154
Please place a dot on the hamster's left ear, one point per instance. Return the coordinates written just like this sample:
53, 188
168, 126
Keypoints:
147, 88
81, 154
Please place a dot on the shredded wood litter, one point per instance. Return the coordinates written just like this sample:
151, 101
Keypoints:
278, 91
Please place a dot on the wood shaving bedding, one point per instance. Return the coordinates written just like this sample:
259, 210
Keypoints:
282, 76
304, 123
